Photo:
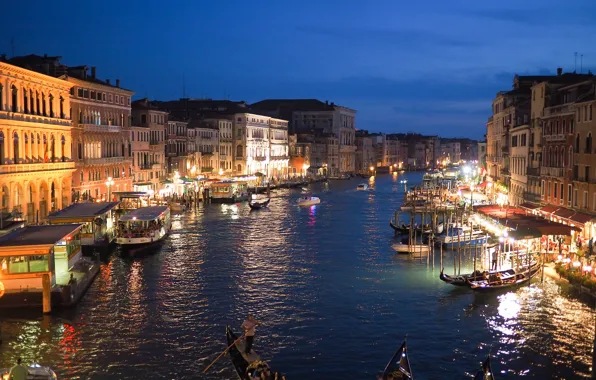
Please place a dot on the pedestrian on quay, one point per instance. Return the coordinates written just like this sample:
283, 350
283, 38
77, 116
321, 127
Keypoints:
249, 327
495, 259
18, 372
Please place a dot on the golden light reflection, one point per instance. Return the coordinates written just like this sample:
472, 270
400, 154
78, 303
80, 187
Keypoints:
231, 210
509, 306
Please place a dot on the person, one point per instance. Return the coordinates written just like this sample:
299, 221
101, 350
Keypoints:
18, 372
495, 259
249, 327
72, 280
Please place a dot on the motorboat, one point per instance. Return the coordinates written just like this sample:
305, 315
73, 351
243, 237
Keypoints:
35, 372
460, 236
308, 201
145, 225
362, 187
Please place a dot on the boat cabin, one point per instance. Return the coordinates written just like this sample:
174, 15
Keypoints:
130, 200
30, 252
98, 220
229, 191
146, 224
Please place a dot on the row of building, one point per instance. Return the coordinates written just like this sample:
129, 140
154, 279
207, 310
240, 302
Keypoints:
66, 135
539, 144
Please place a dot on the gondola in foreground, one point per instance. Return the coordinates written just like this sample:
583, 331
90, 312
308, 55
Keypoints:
398, 367
257, 204
486, 373
246, 364
505, 279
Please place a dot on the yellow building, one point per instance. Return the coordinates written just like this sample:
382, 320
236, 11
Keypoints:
35, 143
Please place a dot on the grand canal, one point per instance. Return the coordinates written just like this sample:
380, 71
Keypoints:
334, 301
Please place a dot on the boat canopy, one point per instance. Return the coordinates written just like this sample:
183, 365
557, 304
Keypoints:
144, 213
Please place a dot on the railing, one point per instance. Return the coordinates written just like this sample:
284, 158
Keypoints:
156, 166
21, 168
280, 157
554, 137
103, 160
534, 171
551, 171
102, 128
558, 110
259, 158
35, 118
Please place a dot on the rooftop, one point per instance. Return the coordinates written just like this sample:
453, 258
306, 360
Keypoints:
84, 210
38, 235
144, 213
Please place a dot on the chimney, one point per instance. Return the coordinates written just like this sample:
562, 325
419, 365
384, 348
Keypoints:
93, 71
117, 82
559, 71
107, 81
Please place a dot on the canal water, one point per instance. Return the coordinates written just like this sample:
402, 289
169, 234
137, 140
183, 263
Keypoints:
333, 299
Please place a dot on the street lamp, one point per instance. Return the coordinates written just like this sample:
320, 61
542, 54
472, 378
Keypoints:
109, 184
221, 171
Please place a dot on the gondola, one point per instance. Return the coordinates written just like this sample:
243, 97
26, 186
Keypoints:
461, 280
399, 365
244, 364
404, 229
509, 278
486, 373
257, 204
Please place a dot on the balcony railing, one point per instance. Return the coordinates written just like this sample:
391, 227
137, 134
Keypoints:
102, 128
280, 157
22, 168
35, 118
558, 110
554, 137
551, 171
156, 166
104, 160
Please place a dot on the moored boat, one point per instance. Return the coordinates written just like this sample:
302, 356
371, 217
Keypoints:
505, 279
145, 225
486, 373
461, 280
247, 364
308, 201
398, 367
405, 248
459, 236
362, 187
35, 372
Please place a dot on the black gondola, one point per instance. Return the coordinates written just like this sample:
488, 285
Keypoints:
398, 367
508, 279
257, 204
404, 229
246, 368
486, 373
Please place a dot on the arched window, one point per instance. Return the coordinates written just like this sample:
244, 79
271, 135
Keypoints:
46, 156
63, 147
27, 150
588, 143
1, 97
577, 143
15, 99
52, 105
82, 179
62, 108
1, 148
25, 101
53, 148
37, 108
570, 157
43, 105
16, 148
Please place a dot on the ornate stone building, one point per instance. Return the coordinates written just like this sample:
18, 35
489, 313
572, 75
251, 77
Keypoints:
35, 143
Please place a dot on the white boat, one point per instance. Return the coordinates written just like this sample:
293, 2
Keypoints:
308, 201
36, 372
412, 248
362, 186
460, 235
144, 225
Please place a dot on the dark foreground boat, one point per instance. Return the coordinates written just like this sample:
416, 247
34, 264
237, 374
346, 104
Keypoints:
398, 367
486, 373
257, 204
461, 280
247, 364
505, 279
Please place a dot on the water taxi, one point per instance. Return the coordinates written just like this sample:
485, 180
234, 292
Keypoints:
308, 201
362, 187
144, 225
462, 236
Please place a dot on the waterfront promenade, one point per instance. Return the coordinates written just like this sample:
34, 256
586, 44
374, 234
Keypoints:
334, 300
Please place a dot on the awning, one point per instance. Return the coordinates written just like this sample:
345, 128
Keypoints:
548, 209
529, 206
481, 185
564, 213
556, 229
581, 218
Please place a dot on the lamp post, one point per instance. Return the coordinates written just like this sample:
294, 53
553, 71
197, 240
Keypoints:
372, 170
109, 184
471, 196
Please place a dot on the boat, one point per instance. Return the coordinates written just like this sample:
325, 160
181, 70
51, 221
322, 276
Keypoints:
145, 225
405, 248
35, 372
461, 280
176, 206
362, 187
308, 201
246, 364
404, 229
459, 236
486, 373
228, 191
257, 203
505, 279
398, 367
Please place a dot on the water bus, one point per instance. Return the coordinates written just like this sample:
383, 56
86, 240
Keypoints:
145, 225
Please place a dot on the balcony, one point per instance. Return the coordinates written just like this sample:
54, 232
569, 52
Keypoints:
105, 160
156, 166
35, 118
558, 110
551, 171
22, 168
533, 171
554, 137
157, 148
102, 128
280, 157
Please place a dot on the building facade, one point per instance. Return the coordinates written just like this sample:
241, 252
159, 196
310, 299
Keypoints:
36, 164
226, 142
519, 157
365, 153
177, 157
208, 145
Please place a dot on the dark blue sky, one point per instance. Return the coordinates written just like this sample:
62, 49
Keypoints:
430, 66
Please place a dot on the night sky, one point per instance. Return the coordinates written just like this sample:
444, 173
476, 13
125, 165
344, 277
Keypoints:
427, 66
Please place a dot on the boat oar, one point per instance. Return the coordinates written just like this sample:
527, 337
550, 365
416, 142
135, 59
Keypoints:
223, 353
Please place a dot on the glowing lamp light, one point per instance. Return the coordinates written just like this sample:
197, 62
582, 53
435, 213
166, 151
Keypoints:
567, 260
134, 218
560, 257
221, 171
587, 268
371, 168
576, 264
